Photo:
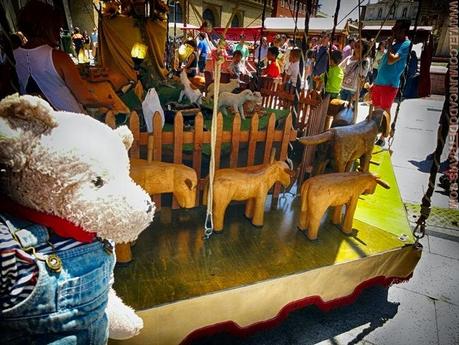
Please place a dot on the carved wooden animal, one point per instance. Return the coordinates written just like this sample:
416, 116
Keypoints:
346, 144
249, 183
224, 87
336, 189
160, 177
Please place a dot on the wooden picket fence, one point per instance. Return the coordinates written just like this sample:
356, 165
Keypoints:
312, 121
276, 96
178, 137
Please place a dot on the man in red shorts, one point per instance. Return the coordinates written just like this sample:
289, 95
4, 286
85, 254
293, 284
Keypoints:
391, 67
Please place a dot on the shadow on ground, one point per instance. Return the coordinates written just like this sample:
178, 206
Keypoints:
425, 165
311, 326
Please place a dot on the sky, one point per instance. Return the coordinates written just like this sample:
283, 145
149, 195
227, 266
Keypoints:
329, 6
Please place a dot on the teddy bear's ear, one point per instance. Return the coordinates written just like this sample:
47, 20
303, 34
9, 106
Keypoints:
22, 120
31, 114
126, 136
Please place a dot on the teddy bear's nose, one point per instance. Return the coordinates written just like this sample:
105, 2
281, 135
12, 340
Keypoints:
149, 206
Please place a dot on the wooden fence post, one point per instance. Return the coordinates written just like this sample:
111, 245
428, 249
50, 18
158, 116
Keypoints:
134, 126
178, 146
252, 140
269, 138
235, 139
197, 151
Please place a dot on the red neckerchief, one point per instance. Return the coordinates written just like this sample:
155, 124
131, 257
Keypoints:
60, 226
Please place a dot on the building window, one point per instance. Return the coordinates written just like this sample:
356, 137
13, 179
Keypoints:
209, 16
380, 13
235, 22
177, 16
392, 11
405, 10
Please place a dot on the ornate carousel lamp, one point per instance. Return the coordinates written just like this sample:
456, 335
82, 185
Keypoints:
138, 53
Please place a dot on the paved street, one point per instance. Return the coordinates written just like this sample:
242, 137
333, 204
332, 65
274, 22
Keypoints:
424, 310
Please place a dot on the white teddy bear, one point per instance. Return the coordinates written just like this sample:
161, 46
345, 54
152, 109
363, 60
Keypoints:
72, 171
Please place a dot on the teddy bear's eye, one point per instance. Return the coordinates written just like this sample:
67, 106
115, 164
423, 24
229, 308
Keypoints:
98, 182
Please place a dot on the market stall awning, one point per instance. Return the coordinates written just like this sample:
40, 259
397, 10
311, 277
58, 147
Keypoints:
182, 26
389, 28
287, 24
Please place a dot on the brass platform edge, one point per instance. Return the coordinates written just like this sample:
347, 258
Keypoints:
260, 302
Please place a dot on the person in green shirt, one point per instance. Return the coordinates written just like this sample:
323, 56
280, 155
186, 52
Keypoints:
335, 75
243, 48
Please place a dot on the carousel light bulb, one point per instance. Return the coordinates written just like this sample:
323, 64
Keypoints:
139, 51
184, 51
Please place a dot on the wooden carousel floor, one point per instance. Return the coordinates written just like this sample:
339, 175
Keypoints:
173, 263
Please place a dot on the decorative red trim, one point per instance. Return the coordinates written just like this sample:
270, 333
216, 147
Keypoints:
234, 329
60, 226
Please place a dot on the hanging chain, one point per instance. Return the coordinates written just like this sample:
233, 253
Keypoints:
419, 230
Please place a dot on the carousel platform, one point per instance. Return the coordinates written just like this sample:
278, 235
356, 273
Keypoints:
246, 278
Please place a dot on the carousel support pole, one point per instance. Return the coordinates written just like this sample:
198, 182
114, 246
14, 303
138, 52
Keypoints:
219, 59
175, 24
296, 99
263, 16
168, 46
359, 71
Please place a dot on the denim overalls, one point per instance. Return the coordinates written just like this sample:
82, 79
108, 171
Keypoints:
66, 307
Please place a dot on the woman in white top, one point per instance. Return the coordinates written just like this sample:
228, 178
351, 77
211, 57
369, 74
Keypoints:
355, 67
45, 71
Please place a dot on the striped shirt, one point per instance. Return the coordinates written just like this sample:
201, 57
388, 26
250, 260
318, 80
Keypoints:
18, 268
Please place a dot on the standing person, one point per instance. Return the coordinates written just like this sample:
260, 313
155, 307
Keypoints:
321, 58
94, 41
391, 67
321, 55
78, 40
47, 71
308, 69
273, 69
335, 75
203, 51
86, 43
348, 49
262, 51
284, 43
351, 67
243, 48
293, 69
378, 57
288, 50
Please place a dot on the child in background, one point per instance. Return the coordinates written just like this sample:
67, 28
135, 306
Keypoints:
335, 75
273, 70
237, 67
293, 69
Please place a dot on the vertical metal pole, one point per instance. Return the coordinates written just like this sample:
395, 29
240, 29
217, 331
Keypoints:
175, 22
263, 16
359, 72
